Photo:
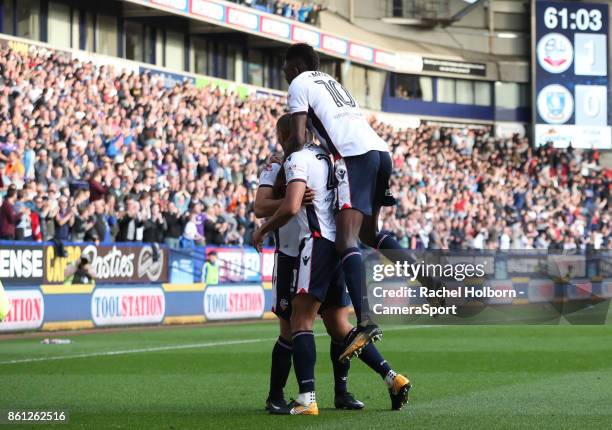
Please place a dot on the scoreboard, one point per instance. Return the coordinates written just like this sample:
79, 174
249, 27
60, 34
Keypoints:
571, 88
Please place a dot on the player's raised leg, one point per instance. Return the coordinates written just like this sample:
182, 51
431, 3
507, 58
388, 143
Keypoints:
383, 242
356, 186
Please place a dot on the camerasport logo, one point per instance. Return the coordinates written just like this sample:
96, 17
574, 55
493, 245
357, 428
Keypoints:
27, 310
555, 53
150, 263
234, 302
555, 104
124, 306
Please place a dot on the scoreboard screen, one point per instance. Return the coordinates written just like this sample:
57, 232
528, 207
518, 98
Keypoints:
570, 75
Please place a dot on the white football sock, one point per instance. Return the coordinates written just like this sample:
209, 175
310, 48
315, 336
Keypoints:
306, 398
389, 378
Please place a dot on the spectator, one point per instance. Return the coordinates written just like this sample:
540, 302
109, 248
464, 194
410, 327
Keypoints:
303, 12
9, 217
64, 219
154, 226
130, 224
83, 224
97, 191
191, 237
175, 225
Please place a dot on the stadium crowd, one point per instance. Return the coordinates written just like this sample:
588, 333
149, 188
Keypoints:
306, 12
87, 154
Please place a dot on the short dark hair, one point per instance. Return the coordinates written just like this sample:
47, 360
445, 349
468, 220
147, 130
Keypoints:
283, 125
305, 53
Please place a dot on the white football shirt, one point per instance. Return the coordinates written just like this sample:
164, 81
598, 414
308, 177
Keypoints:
286, 238
333, 115
313, 166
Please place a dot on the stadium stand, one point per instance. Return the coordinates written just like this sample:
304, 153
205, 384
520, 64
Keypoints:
307, 12
90, 154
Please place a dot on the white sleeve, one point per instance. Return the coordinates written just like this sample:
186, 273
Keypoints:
297, 97
296, 168
268, 175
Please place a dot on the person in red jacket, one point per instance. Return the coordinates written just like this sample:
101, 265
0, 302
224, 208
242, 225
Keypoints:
97, 190
8, 217
35, 222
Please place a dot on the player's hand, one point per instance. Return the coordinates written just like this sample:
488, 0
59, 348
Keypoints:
309, 196
275, 159
258, 239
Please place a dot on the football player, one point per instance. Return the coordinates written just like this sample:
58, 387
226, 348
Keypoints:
286, 240
363, 169
319, 284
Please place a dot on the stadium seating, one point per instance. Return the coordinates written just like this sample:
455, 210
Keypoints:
96, 156
306, 12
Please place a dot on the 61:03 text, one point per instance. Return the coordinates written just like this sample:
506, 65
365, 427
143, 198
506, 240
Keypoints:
583, 19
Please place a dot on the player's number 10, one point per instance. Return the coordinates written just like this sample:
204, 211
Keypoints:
340, 99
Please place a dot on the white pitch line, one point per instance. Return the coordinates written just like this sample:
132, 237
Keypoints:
134, 351
166, 348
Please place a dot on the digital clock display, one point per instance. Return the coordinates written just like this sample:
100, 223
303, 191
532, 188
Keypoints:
570, 75
583, 19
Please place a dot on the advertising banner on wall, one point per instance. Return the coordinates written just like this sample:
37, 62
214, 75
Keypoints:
111, 263
238, 264
21, 264
276, 27
27, 310
230, 302
126, 306
169, 79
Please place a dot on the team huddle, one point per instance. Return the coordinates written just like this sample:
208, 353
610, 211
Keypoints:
320, 202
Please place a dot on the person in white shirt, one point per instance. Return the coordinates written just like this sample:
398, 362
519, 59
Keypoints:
319, 285
287, 239
363, 168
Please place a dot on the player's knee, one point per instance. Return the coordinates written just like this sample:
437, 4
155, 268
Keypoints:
344, 243
368, 239
336, 322
300, 323
303, 314
285, 329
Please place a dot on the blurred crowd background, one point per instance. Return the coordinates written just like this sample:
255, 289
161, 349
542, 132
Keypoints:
306, 12
87, 154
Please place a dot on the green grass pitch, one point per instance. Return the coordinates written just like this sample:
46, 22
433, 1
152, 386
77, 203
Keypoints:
216, 377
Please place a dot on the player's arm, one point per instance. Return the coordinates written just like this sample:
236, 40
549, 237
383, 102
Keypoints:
265, 204
288, 208
297, 99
